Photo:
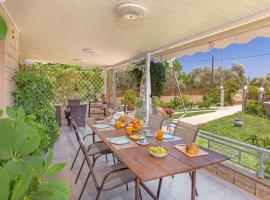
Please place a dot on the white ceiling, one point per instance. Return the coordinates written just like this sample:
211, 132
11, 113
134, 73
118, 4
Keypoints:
58, 30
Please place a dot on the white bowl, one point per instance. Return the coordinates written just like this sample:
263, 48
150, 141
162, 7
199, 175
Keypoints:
158, 155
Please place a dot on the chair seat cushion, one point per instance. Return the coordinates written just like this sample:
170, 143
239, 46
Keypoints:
115, 179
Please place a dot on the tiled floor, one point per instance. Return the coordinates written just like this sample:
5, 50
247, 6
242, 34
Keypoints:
209, 187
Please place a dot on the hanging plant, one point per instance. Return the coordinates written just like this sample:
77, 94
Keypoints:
3, 28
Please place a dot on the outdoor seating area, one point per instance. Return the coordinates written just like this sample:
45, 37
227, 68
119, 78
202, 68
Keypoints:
140, 99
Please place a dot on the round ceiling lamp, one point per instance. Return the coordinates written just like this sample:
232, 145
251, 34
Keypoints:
130, 11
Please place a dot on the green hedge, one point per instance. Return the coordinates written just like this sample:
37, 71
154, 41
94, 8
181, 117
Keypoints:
35, 94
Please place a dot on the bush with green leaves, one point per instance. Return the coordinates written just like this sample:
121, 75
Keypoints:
158, 78
253, 92
130, 98
24, 174
35, 94
255, 108
212, 96
230, 88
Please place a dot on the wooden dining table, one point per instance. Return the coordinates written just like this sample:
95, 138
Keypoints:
146, 167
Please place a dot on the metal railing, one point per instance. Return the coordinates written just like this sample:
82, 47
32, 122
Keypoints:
252, 158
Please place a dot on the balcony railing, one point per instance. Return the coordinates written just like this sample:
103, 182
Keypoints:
245, 156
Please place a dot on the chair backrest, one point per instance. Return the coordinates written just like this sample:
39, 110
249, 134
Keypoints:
74, 102
78, 114
75, 128
186, 131
155, 122
85, 152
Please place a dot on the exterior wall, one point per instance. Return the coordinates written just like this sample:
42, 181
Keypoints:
9, 59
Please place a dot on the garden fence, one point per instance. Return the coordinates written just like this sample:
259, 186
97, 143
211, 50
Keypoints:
81, 84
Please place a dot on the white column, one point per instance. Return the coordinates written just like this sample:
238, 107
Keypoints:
221, 96
148, 86
105, 82
115, 90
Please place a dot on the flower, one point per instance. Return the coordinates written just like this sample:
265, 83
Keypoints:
168, 111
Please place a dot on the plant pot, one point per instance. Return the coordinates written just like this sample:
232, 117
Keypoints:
238, 122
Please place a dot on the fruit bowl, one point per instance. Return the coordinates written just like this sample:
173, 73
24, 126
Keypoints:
135, 124
158, 152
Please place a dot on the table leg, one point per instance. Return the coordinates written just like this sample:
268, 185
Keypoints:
193, 186
137, 188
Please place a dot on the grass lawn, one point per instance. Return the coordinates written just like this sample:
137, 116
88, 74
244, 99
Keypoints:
252, 125
176, 116
194, 109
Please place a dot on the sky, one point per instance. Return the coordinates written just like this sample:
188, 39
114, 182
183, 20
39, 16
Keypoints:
257, 65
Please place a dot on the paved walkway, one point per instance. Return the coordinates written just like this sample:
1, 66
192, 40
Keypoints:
221, 112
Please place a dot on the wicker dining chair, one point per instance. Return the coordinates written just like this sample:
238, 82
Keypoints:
109, 177
189, 133
78, 114
186, 131
71, 102
155, 122
95, 150
74, 102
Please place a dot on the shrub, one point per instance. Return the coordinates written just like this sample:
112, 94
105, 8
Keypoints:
212, 96
267, 94
35, 94
204, 104
158, 78
24, 174
130, 98
253, 92
255, 108
230, 88
156, 101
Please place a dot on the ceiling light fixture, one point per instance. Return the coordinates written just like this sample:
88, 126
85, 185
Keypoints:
92, 52
130, 11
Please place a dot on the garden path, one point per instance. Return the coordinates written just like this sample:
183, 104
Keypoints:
221, 112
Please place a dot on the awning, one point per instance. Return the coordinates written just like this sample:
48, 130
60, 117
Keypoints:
239, 35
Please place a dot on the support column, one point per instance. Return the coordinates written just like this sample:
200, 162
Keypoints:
115, 90
244, 98
221, 96
148, 87
261, 94
105, 82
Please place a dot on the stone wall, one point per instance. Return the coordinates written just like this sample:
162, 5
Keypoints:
9, 56
242, 179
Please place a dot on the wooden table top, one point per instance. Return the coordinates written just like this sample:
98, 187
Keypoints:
146, 167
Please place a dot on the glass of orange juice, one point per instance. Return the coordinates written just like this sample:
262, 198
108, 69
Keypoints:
117, 124
129, 130
159, 135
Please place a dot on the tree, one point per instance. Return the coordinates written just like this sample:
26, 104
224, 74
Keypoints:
230, 88
259, 82
239, 73
158, 78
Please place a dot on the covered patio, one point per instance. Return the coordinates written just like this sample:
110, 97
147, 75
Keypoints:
117, 36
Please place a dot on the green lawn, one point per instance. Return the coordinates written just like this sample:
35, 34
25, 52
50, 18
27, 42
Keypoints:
194, 109
252, 125
225, 127
177, 116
